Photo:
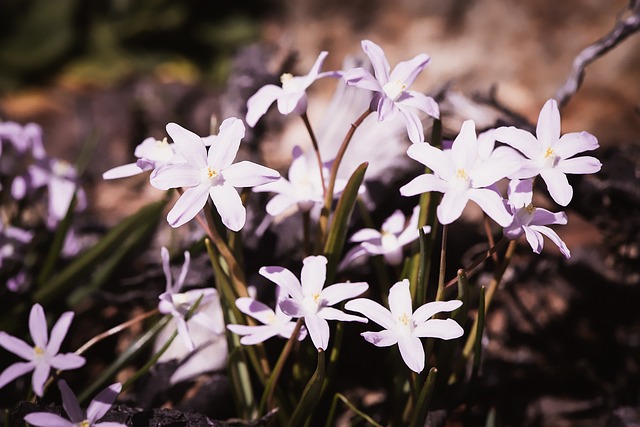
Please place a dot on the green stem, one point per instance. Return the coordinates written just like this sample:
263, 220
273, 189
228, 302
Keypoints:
469, 270
267, 395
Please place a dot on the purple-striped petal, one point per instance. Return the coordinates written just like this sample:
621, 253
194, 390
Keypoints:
378, 60
422, 102
384, 338
70, 403
553, 236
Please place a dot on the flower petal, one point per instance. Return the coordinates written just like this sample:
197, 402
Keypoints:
253, 334
491, 171
123, 171
14, 371
433, 158
367, 235
361, 78
520, 192
445, 329
545, 217
225, 148
428, 310
373, 311
315, 70
521, 140
413, 124
67, 361
291, 307
580, 165
553, 236
341, 291
548, 128
318, 330
378, 61
38, 326
384, 338
102, 402
573, 143
59, 331
423, 184
175, 176
249, 174
284, 278
331, 313
451, 206
47, 419
558, 185
16, 346
400, 299
491, 203
407, 71
313, 275
279, 204
189, 145
464, 150
422, 102
188, 205
70, 403
412, 353
534, 238
229, 205
40, 376
255, 309
260, 102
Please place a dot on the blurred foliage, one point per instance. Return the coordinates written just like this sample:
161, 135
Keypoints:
100, 41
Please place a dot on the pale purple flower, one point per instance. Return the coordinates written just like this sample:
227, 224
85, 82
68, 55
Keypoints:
531, 221
97, 409
391, 88
291, 97
60, 178
13, 241
460, 175
551, 155
25, 139
210, 174
44, 355
405, 327
151, 153
178, 304
273, 323
389, 242
303, 189
307, 298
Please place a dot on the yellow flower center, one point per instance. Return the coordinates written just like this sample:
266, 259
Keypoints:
162, 144
530, 208
548, 153
404, 319
38, 350
462, 174
84, 423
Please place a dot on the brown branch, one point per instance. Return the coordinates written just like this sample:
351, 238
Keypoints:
623, 29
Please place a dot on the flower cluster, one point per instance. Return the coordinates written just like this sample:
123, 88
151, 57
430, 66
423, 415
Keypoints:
203, 319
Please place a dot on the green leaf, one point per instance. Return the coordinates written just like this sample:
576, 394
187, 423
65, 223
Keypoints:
421, 409
105, 256
310, 395
340, 224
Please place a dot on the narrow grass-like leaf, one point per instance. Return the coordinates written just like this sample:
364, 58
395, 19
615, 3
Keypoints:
421, 409
340, 223
62, 283
341, 397
124, 358
58, 242
310, 395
